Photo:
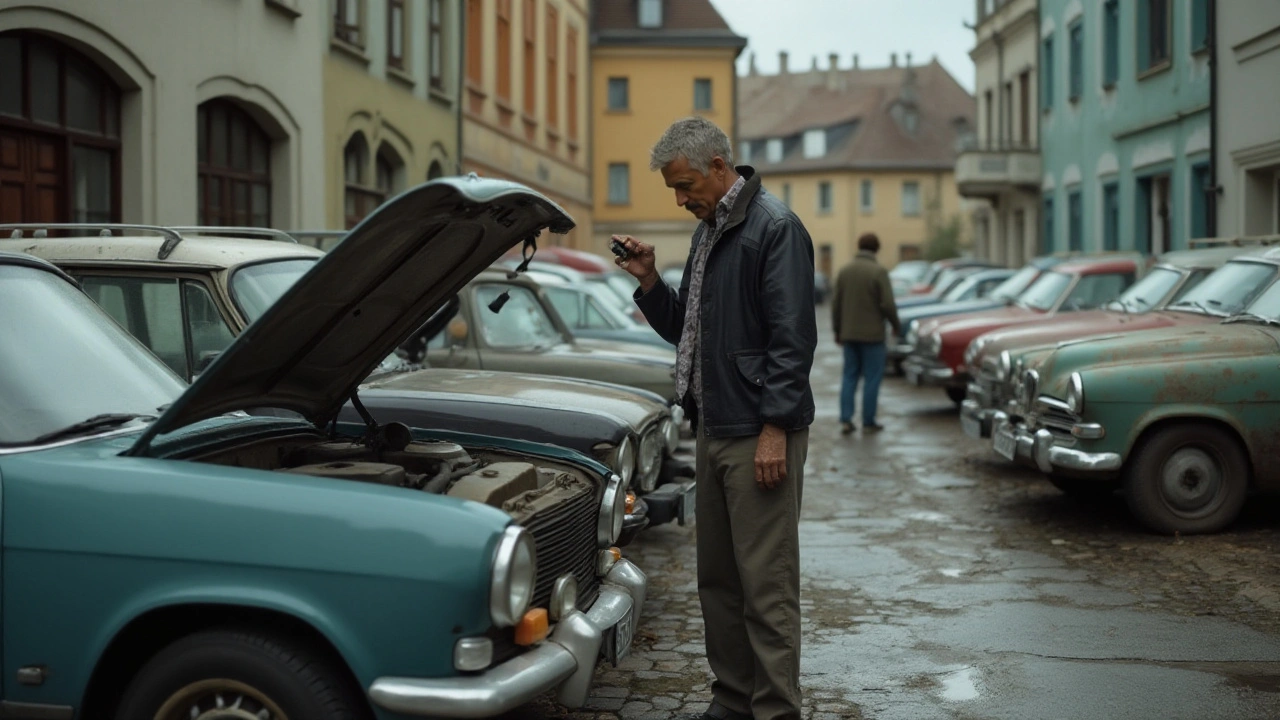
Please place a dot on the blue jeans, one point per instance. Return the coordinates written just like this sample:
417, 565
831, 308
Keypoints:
865, 360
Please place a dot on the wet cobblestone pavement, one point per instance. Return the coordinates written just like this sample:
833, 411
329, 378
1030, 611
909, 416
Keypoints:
940, 582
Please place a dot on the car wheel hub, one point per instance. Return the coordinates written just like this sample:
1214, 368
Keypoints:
1191, 480
219, 699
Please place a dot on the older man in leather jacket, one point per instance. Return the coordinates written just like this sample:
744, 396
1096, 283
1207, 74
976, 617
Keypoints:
743, 319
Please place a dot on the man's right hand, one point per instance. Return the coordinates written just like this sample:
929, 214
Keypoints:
640, 264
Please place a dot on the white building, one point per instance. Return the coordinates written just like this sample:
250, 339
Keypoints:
1003, 164
163, 111
1248, 106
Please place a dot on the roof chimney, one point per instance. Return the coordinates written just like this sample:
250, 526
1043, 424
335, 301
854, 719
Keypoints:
782, 62
833, 72
815, 64
893, 59
855, 61
752, 70
908, 59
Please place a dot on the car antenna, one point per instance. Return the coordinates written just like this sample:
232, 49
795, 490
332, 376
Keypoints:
527, 252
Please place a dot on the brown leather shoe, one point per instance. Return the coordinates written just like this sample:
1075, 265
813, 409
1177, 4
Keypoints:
847, 428
872, 428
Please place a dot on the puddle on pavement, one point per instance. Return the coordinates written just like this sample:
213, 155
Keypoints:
960, 685
943, 481
929, 516
951, 572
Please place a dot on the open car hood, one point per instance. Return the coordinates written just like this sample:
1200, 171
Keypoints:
310, 350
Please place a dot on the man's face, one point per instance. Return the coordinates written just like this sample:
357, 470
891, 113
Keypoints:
696, 192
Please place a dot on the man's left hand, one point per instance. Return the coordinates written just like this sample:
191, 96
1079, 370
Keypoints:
771, 457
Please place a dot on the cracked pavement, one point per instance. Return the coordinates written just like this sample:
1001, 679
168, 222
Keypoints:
941, 583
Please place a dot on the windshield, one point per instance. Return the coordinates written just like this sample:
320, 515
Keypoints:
65, 360
255, 288
961, 289
521, 323
1013, 287
947, 279
1268, 303
606, 302
909, 270
578, 311
1228, 289
1149, 291
1045, 291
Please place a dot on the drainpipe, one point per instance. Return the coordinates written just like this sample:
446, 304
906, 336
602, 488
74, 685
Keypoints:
999, 89
461, 59
1213, 191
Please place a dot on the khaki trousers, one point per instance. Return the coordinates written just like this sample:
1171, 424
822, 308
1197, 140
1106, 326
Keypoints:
749, 575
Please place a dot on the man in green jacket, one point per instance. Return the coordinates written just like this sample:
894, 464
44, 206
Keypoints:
862, 304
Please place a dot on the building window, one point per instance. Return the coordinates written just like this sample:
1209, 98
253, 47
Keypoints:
1046, 78
1153, 34
395, 34
815, 143
233, 167
786, 194
553, 66
773, 150
744, 152
618, 93
1110, 43
650, 13
1076, 61
1200, 190
1152, 213
435, 43
1024, 107
504, 49
1111, 216
1075, 220
866, 196
910, 198
362, 196
1199, 25
530, 58
571, 82
346, 22
435, 171
69, 166
619, 184
1046, 243
824, 197
475, 42
702, 94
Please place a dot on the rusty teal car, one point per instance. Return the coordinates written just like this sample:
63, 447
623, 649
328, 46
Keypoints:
168, 555
1185, 420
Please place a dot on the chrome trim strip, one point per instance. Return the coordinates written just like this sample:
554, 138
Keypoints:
71, 441
35, 711
1049, 456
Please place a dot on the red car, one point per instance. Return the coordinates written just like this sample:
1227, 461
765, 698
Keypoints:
1080, 284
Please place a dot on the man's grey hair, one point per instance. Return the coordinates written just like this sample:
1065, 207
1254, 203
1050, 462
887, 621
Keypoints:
697, 140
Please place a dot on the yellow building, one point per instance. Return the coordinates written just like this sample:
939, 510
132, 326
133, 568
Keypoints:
392, 83
652, 63
858, 150
524, 101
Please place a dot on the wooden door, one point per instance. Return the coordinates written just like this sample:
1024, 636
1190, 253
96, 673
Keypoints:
32, 172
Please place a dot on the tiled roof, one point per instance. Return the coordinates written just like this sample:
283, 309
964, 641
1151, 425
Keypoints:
684, 23
870, 106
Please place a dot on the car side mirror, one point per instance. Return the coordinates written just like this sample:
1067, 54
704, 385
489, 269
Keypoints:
458, 331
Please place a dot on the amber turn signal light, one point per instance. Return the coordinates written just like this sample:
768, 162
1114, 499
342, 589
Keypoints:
532, 627
631, 502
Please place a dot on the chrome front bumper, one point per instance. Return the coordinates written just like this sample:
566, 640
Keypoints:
565, 662
921, 374
1010, 441
975, 419
1050, 456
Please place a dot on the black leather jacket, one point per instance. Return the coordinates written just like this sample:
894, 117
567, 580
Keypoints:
758, 325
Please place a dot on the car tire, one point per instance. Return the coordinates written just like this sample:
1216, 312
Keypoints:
1084, 489
1190, 478
897, 368
193, 674
957, 394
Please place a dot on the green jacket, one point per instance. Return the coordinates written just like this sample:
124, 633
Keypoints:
863, 301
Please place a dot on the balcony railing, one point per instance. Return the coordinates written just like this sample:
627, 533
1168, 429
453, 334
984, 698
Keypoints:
990, 171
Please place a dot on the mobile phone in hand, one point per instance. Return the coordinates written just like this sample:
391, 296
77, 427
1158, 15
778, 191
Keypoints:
619, 249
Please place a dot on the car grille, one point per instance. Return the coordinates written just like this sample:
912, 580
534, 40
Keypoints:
565, 539
1057, 420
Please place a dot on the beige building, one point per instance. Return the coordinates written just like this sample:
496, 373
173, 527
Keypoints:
1247, 58
1001, 168
162, 112
524, 101
652, 63
855, 150
392, 84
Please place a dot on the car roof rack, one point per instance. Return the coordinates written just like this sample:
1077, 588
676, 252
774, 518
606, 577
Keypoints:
172, 235
1238, 241
316, 238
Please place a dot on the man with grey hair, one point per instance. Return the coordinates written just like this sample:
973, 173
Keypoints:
744, 321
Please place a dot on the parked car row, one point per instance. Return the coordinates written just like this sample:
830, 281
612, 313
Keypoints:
1165, 392
318, 525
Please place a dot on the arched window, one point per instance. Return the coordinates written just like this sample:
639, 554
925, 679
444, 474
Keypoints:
59, 134
234, 166
435, 171
364, 194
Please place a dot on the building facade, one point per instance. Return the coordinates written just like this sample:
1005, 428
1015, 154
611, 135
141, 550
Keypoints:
1247, 57
855, 150
392, 100
214, 120
525, 102
652, 63
1002, 166
1125, 115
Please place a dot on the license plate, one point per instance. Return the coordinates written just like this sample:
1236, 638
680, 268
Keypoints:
971, 426
1005, 443
914, 376
688, 501
619, 645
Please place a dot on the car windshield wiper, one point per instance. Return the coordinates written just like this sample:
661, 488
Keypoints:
1198, 306
1251, 317
97, 422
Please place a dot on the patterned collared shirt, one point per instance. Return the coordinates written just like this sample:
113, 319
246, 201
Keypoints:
688, 368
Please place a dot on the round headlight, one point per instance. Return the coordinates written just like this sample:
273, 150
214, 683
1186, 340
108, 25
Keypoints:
913, 334
514, 571
670, 432
1075, 393
649, 459
933, 344
1005, 366
613, 511
1030, 387
624, 461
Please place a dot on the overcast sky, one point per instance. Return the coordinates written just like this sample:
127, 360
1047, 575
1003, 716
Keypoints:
871, 28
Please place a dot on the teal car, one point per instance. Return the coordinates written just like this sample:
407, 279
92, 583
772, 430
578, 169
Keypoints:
168, 555
1185, 420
